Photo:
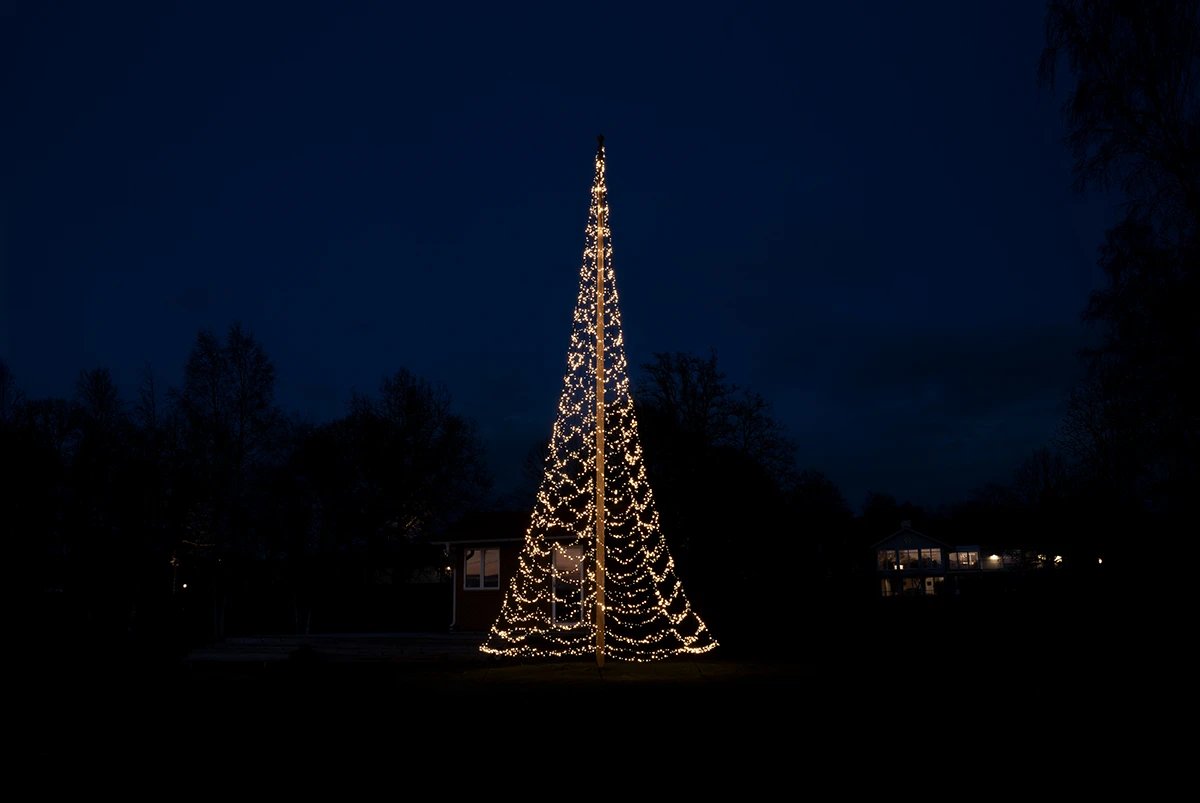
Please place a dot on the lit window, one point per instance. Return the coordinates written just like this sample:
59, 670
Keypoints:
962, 559
890, 560
482, 569
910, 559
567, 582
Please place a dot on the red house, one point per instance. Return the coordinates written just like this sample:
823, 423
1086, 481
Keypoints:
483, 550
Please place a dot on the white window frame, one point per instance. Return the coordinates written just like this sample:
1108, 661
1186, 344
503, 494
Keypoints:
904, 559
959, 559
482, 565
554, 588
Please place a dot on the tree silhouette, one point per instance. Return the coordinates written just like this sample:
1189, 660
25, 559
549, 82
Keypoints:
147, 410
1103, 430
1134, 122
691, 407
1041, 479
816, 496
691, 392
228, 398
1133, 114
230, 426
533, 467
755, 432
425, 461
99, 398
11, 396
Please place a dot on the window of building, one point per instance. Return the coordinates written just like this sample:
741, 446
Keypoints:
963, 560
482, 568
889, 560
567, 585
911, 586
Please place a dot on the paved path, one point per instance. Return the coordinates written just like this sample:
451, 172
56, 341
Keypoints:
454, 660
352, 647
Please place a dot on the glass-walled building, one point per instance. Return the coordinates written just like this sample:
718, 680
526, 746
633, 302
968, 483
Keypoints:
911, 564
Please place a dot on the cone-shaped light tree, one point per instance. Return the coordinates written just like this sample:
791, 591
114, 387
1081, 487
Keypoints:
595, 573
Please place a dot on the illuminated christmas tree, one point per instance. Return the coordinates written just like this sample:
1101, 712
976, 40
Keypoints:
595, 573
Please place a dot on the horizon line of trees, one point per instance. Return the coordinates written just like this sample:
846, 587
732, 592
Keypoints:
207, 478
123, 497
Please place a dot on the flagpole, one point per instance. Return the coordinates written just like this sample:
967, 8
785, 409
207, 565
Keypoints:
600, 276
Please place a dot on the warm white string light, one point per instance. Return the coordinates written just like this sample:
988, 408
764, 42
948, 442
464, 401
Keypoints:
647, 616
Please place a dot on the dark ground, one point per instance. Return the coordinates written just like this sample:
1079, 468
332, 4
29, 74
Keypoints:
1012, 677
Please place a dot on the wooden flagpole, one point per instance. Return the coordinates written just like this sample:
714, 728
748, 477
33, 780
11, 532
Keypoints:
600, 276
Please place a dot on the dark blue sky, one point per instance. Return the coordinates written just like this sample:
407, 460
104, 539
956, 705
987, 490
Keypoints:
864, 208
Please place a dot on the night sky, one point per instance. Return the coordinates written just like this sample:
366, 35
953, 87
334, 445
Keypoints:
864, 208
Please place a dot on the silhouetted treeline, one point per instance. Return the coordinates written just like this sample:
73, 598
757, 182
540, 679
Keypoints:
762, 546
1132, 430
743, 523
185, 506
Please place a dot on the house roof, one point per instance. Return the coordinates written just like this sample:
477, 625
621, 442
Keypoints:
914, 532
491, 525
